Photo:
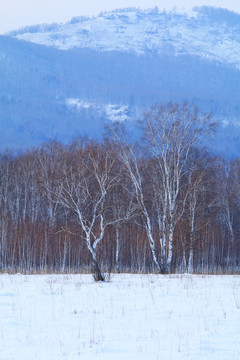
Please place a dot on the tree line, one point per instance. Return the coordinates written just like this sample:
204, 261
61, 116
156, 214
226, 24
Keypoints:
163, 204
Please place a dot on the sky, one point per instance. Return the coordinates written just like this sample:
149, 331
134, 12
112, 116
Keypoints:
15, 14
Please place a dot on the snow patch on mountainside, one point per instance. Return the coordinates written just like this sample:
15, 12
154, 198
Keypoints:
117, 112
196, 33
77, 104
113, 112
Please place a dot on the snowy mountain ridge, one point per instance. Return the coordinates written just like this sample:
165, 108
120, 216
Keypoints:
209, 33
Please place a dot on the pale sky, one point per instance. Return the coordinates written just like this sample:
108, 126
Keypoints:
17, 13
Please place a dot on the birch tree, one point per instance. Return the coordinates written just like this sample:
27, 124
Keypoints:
170, 132
133, 169
85, 180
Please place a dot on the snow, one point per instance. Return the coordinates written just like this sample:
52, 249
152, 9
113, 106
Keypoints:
54, 317
78, 103
140, 31
116, 112
113, 112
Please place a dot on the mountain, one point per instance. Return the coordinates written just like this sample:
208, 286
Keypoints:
61, 80
210, 33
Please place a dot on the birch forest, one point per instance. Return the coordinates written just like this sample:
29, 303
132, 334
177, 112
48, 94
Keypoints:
163, 204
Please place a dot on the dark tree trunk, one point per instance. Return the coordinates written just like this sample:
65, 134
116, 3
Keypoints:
97, 272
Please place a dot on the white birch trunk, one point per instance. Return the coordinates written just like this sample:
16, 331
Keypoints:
117, 247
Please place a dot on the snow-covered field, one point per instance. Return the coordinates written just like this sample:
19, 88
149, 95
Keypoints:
150, 317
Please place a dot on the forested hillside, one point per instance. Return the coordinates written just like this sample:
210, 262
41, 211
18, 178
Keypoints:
47, 93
